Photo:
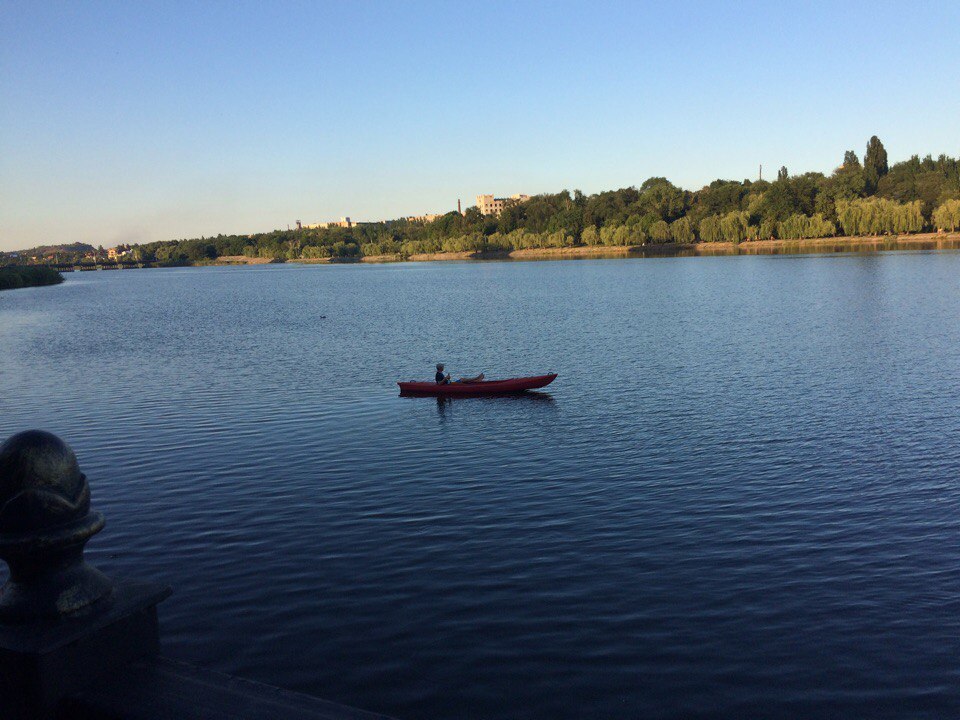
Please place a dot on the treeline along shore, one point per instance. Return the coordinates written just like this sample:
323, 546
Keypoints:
17, 276
919, 241
861, 198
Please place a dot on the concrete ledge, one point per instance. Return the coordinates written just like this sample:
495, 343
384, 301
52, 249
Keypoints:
160, 689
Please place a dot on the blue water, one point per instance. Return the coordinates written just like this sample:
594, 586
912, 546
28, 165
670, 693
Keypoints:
739, 499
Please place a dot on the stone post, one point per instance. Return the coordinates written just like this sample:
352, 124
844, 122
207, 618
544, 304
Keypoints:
63, 623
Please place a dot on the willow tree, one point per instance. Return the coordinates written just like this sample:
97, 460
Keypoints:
767, 229
608, 234
627, 235
710, 229
620, 235
947, 216
799, 227
636, 235
660, 232
735, 227
681, 231
879, 216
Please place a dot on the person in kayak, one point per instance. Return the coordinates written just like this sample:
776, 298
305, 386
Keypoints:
445, 379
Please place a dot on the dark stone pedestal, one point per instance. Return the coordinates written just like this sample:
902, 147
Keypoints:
162, 689
43, 661
74, 645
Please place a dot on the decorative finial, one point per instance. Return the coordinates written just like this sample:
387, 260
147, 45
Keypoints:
45, 521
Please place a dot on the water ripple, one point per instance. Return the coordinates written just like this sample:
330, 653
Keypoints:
737, 500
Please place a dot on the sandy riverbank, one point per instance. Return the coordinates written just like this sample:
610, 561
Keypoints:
241, 260
835, 244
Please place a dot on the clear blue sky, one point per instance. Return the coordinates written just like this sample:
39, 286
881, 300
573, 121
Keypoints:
130, 121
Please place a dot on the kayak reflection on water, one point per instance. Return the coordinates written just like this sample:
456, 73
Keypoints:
445, 403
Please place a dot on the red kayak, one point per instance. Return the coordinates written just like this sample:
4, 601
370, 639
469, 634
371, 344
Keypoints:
473, 389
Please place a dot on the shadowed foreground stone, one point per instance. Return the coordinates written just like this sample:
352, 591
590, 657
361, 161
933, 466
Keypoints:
75, 645
161, 689
63, 623
45, 521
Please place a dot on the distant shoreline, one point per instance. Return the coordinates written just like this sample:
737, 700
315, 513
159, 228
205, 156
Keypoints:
918, 241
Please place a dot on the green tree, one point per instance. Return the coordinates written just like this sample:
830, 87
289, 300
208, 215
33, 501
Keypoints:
589, 236
719, 198
734, 227
511, 217
661, 198
879, 216
799, 227
846, 183
681, 231
660, 232
784, 198
874, 163
710, 229
472, 216
767, 229
946, 218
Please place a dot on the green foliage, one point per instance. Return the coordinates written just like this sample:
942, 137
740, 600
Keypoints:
847, 183
661, 199
874, 163
850, 160
947, 216
790, 196
342, 249
710, 229
798, 227
767, 229
623, 235
21, 276
930, 181
719, 197
142, 255
590, 236
877, 216
660, 232
681, 231
735, 227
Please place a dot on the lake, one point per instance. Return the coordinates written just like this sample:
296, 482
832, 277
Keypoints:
740, 497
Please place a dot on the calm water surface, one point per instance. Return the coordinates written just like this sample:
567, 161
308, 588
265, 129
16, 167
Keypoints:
739, 499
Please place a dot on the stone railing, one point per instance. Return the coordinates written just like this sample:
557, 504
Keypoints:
76, 644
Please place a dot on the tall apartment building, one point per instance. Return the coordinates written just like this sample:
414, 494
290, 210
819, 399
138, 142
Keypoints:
490, 205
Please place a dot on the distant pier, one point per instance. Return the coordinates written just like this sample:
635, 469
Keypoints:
84, 267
